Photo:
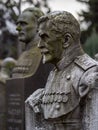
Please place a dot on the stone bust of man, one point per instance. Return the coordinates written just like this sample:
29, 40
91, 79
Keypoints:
29, 60
6, 69
72, 79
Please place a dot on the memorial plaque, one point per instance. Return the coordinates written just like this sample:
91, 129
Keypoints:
15, 104
17, 90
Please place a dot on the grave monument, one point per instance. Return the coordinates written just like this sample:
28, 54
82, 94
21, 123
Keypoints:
7, 65
29, 73
69, 100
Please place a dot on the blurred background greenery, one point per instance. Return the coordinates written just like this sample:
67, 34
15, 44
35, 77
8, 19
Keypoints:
89, 36
10, 10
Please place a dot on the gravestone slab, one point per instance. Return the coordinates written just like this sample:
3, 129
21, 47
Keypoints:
2, 106
15, 104
17, 91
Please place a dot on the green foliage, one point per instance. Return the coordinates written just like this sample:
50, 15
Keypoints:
8, 15
90, 17
91, 44
9, 12
42, 4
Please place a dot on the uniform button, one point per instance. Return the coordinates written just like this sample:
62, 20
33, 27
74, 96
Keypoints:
68, 77
57, 106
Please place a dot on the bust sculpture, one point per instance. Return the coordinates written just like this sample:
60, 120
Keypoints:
6, 69
29, 71
63, 101
29, 60
96, 57
6, 65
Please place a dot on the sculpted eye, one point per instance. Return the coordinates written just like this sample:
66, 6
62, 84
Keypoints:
44, 36
23, 23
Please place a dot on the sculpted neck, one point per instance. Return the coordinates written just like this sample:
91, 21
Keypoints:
69, 55
33, 42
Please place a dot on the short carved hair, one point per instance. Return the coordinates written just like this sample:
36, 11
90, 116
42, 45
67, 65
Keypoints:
62, 22
36, 12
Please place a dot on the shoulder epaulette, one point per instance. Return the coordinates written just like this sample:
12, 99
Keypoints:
85, 62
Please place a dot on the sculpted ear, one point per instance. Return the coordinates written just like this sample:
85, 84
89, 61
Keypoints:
67, 40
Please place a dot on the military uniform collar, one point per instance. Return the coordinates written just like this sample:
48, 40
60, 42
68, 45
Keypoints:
85, 61
63, 63
69, 55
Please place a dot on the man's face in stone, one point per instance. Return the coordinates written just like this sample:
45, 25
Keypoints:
50, 45
26, 26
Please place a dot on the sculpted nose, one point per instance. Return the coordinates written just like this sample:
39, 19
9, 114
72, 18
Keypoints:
40, 44
18, 28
